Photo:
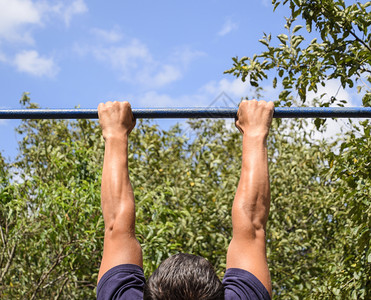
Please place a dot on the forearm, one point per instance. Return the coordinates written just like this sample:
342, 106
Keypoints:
117, 198
250, 210
251, 205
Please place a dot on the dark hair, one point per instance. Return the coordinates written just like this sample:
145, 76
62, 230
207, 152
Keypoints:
184, 277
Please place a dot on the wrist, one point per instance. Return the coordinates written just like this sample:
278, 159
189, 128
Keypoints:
111, 136
256, 136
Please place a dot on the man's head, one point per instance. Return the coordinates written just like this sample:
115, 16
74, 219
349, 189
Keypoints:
184, 276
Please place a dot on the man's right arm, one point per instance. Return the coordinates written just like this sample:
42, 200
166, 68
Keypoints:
250, 210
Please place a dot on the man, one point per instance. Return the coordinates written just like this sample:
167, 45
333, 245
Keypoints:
185, 276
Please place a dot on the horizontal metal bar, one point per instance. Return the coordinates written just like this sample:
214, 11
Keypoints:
192, 112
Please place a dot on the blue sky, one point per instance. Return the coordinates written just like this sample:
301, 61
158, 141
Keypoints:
151, 53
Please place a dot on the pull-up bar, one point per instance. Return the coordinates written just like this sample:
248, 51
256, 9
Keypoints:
191, 112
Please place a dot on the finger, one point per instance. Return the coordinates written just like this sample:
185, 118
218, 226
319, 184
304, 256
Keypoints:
238, 126
270, 105
100, 106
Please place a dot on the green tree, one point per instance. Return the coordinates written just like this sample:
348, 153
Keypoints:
349, 178
52, 228
318, 237
336, 46
50, 211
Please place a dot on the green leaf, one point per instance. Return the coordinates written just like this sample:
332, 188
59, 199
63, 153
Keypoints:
309, 26
275, 82
264, 42
283, 38
297, 28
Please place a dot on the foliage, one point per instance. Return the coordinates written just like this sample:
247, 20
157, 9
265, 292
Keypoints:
340, 48
349, 178
333, 189
52, 228
318, 237
50, 213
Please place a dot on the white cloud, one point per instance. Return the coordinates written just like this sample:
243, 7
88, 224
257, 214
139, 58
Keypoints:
234, 88
128, 59
18, 19
16, 16
185, 55
220, 93
76, 8
112, 36
155, 99
67, 11
30, 62
134, 61
228, 26
165, 74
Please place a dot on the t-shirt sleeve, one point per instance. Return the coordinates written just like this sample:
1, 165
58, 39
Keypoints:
122, 282
242, 285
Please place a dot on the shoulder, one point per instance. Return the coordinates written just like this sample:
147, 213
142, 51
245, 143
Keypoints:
241, 284
121, 282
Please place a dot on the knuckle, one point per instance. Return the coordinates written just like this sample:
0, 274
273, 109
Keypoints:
270, 104
244, 103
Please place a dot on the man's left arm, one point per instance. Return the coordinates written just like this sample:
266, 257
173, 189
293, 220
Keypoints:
117, 197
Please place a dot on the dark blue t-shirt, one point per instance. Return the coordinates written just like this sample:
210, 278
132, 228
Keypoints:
127, 282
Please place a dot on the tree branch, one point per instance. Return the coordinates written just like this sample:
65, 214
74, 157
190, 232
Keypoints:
360, 40
55, 280
8, 263
345, 28
45, 275
2, 236
61, 289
